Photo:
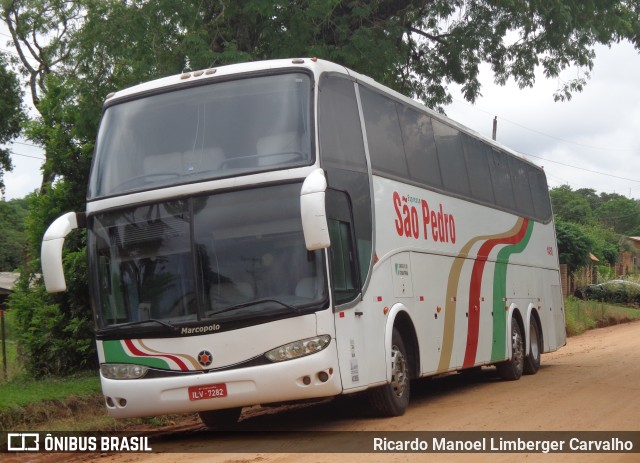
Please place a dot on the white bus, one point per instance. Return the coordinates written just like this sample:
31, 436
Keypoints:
286, 230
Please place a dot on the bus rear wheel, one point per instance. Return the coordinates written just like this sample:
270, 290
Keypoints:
511, 370
532, 361
393, 399
220, 419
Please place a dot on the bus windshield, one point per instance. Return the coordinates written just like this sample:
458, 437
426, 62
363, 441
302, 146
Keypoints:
225, 256
223, 129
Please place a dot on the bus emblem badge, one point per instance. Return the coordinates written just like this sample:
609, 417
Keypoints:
205, 358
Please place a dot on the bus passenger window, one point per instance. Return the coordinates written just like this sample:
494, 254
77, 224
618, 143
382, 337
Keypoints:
345, 287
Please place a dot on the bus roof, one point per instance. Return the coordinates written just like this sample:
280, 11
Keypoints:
317, 66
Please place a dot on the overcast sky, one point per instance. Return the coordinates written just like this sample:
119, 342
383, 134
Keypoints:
591, 141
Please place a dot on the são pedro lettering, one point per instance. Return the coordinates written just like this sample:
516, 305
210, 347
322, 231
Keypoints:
416, 219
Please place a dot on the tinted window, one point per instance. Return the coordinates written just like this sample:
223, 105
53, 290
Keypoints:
344, 262
341, 143
209, 131
540, 192
476, 154
521, 189
343, 274
198, 258
383, 132
420, 147
451, 157
501, 180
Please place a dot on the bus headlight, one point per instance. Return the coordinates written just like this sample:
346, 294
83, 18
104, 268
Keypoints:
122, 371
298, 349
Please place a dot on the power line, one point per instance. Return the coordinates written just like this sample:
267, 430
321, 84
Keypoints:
25, 144
543, 133
582, 168
13, 153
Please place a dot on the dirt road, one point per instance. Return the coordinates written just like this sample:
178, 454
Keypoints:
592, 384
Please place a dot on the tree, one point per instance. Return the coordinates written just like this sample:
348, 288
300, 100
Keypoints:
11, 114
41, 32
604, 242
570, 206
416, 47
12, 238
622, 214
573, 245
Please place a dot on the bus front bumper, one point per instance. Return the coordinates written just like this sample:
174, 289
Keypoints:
308, 377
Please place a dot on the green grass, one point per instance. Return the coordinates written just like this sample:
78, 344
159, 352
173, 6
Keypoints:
22, 391
585, 315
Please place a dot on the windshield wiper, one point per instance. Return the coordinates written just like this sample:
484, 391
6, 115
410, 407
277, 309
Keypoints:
255, 302
142, 322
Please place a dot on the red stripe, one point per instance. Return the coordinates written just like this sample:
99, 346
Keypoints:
475, 287
139, 353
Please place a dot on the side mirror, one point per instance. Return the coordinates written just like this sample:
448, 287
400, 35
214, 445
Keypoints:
51, 250
313, 210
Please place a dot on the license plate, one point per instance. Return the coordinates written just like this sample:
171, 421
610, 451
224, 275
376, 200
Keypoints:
208, 391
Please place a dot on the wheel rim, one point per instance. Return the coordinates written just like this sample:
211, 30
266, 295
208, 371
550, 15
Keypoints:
518, 348
399, 377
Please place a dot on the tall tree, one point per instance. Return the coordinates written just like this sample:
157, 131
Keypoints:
11, 115
41, 33
12, 238
621, 214
574, 245
570, 206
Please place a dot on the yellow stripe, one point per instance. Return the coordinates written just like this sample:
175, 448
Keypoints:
452, 294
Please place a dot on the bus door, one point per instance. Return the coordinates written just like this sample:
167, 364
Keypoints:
346, 291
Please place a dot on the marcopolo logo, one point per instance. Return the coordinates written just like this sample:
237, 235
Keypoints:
204, 329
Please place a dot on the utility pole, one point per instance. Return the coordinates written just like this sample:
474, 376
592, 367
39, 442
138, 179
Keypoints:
495, 128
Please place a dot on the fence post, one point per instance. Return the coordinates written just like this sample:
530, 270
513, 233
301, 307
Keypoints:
4, 347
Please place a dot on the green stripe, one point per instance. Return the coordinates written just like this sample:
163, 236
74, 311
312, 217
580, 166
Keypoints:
499, 348
114, 353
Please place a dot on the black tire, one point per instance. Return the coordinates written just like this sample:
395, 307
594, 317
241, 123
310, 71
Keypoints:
532, 361
220, 419
393, 399
512, 369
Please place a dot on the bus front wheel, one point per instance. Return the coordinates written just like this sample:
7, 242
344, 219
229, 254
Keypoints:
393, 399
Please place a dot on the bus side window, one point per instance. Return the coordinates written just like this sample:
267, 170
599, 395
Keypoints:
501, 179
344, 277
343, 252
341, 143
453, 166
